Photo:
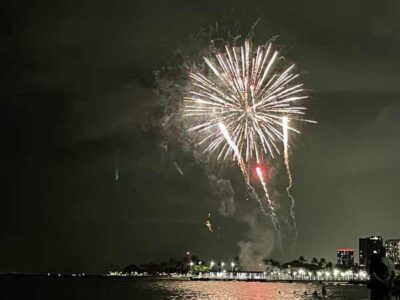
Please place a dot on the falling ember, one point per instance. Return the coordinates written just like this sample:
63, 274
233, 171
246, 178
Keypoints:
209, 225
116, 174
178, 168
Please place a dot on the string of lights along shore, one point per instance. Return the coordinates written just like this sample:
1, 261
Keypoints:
345, 268
244, 106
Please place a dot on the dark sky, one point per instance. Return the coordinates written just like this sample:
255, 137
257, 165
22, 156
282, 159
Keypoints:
76, 88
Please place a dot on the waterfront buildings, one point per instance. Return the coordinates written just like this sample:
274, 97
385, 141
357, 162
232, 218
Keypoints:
392, 248
345, 257
367, 247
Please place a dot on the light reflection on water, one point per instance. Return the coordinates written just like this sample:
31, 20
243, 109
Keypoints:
255, 290
131, 288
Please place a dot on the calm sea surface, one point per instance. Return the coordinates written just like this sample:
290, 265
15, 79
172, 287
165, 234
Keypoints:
133, 288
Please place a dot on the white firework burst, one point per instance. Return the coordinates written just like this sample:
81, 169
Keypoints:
245, 90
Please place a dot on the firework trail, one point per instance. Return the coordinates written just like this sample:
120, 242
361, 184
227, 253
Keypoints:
271, 204
245, 173
285, 127
247, 178
178, 168
260, 176
235, 151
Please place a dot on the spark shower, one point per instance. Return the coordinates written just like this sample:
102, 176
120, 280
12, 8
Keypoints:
243, 107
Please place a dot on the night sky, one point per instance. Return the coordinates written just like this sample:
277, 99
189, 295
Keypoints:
77, 89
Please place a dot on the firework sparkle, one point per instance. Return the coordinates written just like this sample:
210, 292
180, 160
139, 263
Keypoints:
238, 108
244, 91
285, 123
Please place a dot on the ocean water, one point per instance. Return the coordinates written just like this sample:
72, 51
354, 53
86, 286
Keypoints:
134, 288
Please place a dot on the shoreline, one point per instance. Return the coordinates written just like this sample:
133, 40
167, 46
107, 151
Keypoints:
182, 277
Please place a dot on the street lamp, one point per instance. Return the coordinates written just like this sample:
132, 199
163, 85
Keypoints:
335, 273
212, 264
232, 265
301, 273
327, 274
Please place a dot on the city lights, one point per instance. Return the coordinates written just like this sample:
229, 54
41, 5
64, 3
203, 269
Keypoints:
216, 271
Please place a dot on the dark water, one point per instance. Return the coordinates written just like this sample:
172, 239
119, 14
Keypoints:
133, 288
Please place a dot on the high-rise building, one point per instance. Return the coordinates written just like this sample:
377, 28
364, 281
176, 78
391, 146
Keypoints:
392, 248
368, 246
362, 251
345, 257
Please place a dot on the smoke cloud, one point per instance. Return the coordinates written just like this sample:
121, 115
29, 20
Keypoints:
258, 244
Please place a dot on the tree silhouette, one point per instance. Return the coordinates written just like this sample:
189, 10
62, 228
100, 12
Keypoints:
271, 262
302, 259
329, 265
